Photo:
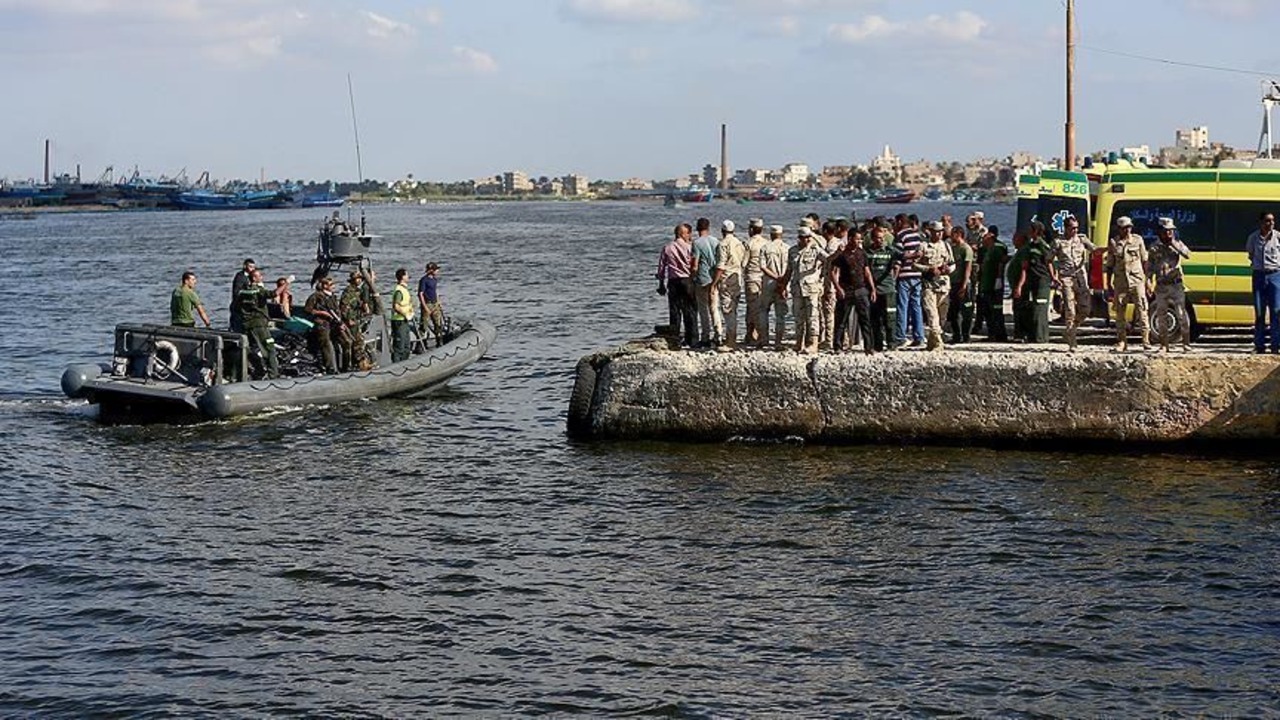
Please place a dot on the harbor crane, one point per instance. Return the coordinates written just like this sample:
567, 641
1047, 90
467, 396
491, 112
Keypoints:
1270, 96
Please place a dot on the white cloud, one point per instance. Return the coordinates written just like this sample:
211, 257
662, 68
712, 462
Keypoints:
380, 26
431, 16
474, 61
631, 11
962, 27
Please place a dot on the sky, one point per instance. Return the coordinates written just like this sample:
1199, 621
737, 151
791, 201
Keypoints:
462, 89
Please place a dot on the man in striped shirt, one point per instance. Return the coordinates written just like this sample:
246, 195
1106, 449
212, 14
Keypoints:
910, 312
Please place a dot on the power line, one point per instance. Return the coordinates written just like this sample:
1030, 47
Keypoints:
1179, 63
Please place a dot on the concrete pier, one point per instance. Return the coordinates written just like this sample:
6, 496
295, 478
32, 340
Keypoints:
981, 394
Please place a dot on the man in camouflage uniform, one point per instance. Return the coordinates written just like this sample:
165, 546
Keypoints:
322, 308
1071, 254
935, 264
753, 278
1126, 272
773, 288
1166, 269
353, 312
805, 269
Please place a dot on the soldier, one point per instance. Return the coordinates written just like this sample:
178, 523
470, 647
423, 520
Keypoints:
753, 277
883, 264
773, 288
1021, 306
710, 324
1071, 255
731, 255
804, 273
1035, 284
353, 311
252, 306
935, 265
1126, 275
322, 308
991, 285
1166, 269
960, 310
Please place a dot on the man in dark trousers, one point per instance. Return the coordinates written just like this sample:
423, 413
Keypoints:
238, 283
252, 304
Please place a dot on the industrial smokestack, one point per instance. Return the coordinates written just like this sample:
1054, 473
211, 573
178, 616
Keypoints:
46, 162
724, 157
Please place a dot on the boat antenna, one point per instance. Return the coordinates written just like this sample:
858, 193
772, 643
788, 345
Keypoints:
355, 128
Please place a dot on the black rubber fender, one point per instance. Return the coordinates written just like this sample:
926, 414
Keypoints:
583, 398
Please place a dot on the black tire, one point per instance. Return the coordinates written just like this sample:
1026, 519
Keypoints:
580, 402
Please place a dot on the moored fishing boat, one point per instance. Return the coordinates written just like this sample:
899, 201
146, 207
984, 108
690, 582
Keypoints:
895, 196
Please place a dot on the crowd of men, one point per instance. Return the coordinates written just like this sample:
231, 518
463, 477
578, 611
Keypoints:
335, 320
892, 283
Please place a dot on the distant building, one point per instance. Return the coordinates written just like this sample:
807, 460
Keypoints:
751, 176
887, 164
711, 175
1137, 152
637, 184
516, 181
1197, 138
1190, 147
575, 184
795, 174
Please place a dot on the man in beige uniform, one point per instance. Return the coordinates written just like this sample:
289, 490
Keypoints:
935, 264
773, 289
1126, 274
731, 255
1167, 255
1071, 253
753, 277
805, 268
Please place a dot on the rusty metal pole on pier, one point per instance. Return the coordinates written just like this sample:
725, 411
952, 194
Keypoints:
1069, 160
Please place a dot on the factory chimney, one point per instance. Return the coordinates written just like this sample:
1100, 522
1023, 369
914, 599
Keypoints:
724, 157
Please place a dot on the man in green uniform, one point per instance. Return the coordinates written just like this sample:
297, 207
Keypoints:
991, 285
960, 311
1036, 283
1013, 273
354, 311
323, 310
185, 304
883, 264
251, 304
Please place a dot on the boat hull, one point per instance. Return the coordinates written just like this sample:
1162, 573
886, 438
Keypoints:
128, 399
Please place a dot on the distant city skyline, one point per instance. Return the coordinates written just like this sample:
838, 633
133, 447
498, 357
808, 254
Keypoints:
606, 88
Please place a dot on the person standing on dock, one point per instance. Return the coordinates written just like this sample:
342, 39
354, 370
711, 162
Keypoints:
1022, 308
731, 255
883, 264
1166, 256
975, 233
1071, 254
674, 267
935, 264
854, 290
710, 324
910, 314
185, 305
773, 289
753, 279
805, 266
960, 304
1263, 249
1126, 274
991, 285
1035, 284
834, 236
238, 283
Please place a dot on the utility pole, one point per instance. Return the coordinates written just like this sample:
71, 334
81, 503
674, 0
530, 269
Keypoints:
724, 156
1069, 162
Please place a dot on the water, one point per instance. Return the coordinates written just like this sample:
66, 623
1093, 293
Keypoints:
459, 556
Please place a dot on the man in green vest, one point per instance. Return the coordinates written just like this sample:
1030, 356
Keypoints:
401, 316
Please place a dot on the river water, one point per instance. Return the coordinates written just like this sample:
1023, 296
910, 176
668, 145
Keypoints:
458, 556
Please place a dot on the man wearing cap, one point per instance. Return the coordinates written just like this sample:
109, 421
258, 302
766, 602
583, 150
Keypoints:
1166, 256
1071, 255
935, 265
351, 305
1125, 268
238, 283
731, 255
753, 278
710, 324
805, 266
429, 302
773, 288
1263, 249
674, 280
